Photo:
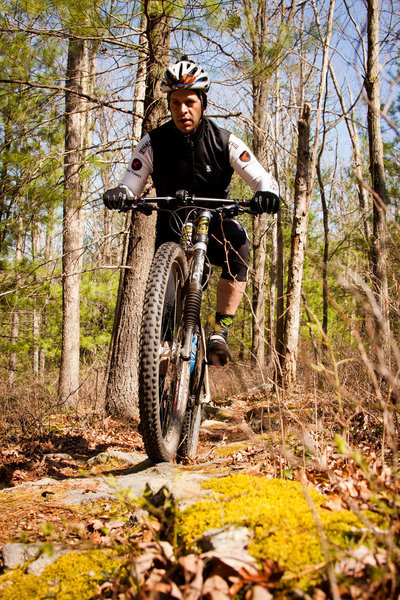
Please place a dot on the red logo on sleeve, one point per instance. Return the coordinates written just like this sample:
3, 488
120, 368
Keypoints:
136, 164
245, 156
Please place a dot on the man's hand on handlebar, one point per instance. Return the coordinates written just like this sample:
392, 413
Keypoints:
119, 198
264, 202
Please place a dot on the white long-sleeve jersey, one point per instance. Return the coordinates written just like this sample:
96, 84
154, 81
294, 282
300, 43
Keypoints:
241, 159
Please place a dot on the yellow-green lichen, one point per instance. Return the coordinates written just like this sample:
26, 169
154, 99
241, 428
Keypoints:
228, 449
278, 514
72, 576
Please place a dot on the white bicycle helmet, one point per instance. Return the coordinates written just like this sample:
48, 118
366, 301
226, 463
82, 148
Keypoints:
185, 75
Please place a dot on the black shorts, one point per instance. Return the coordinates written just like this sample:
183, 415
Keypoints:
228, 245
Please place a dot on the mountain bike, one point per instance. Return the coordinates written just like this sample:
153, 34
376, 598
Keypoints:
173, 369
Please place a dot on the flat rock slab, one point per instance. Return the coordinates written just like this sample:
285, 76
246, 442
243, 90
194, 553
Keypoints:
183, 484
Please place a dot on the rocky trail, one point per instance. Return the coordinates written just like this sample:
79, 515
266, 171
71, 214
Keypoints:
45, 479
85, 484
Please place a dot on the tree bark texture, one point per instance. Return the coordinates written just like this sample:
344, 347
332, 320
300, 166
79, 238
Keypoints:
325, 219
358, 167
72, 224
260, 87
122, 384
304, 182
280, 300
297, 251
12, 363
263, 66
377, 169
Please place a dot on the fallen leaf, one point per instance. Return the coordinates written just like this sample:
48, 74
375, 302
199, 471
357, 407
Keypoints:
334, 503
192, 566
95, 538
318, 594
358, 559
216, 588
258, 593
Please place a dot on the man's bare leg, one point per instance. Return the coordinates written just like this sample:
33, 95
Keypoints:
229, 295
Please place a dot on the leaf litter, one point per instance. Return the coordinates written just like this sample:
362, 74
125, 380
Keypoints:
156, 569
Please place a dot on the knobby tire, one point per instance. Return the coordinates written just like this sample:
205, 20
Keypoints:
164, 378
192, 421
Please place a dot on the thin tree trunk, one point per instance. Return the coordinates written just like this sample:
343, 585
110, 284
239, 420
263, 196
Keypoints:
305, 176
48, 258
42, 351
12, 361
260, 96
73, 224
263, 69
272, 290
280, 300
259, 257
36, 319
299, 236
326, 248
272, 308
358, 170
377, 169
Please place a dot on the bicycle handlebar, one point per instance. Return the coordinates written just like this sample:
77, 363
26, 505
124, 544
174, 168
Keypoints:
186, 200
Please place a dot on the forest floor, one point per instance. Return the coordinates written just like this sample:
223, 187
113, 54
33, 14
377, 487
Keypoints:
58, 485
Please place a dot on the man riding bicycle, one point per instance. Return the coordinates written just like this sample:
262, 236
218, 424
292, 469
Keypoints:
190, 152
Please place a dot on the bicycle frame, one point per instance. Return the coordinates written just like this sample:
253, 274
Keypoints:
170, 400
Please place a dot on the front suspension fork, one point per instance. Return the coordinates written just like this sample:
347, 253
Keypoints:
195, 288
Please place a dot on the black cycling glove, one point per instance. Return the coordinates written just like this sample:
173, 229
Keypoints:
264, 202
117, 198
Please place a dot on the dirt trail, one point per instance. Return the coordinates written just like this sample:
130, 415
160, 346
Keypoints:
45, 480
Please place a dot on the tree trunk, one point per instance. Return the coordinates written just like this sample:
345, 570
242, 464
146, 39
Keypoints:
280, 302
72, 224
263, 68
298, 242
122, 384
12, 363
259, 258
36, 317
325, 219
272, 292
304, 182
378, 178
260, 85
358, 170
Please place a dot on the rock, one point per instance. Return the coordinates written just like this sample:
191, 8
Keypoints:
81, 497
16, 555
98, 459
48, 558
225, 537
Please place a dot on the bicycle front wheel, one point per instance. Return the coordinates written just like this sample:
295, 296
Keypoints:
164, 378
197, 396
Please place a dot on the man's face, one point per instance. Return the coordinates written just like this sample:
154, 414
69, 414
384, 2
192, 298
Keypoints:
186, 110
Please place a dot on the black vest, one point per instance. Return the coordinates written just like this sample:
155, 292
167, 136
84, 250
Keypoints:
197, 163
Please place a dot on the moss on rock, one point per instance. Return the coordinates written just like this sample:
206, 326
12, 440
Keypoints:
75, 575
280, 517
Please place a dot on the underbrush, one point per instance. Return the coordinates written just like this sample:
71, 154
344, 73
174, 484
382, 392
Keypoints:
318, 480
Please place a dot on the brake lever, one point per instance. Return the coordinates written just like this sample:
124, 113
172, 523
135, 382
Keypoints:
128, 205
145, 207
231, 211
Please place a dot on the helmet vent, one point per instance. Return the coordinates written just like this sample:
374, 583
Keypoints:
185, 75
